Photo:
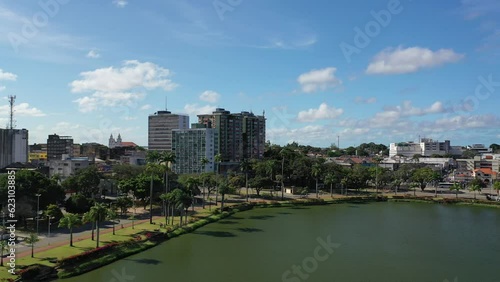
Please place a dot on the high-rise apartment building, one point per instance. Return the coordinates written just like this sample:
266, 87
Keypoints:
241, 135
57, 146
191, 146
160, 126
13, 146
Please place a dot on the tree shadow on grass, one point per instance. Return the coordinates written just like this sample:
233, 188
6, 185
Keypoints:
222, 234
249, 230
228, 222
145, 261
261, 217
299, 208
284, 213
235, 217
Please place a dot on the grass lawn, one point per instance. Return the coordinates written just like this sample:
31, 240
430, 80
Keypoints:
79, 246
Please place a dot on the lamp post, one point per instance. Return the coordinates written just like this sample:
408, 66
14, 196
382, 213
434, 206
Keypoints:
37, 211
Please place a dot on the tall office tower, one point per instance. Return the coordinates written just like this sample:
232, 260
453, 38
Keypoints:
241, 135
13, 146
160, 126
191, 146
57, 146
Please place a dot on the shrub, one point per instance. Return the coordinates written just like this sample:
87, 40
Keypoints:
94, 253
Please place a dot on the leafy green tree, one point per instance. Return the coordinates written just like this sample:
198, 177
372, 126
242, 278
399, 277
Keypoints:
78, 203
475, 188
70, 221
3, 247
124, 203
193, 188
423, 176
258, 183
31, 240
496, 186
54, 212
218, 160
456, 187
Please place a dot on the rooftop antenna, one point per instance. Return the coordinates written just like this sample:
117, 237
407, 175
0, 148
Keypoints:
12, 100
338, 142
166, 100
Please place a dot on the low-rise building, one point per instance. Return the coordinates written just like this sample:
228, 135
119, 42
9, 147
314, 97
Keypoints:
68, 166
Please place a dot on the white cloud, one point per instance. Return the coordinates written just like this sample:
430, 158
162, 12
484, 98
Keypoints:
323, 112
120, 86
400, 61
407, 109
7, 76
22, 110
195, 109
321, 79
93, 54
145, 107
210, 96
473, 9
361, 100
2, 88
120, 3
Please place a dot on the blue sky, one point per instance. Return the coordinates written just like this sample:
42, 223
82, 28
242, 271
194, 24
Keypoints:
381, 71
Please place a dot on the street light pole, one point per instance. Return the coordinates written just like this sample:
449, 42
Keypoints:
37, 212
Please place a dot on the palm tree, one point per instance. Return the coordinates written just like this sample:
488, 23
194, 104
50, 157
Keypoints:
31, 240
112, 216
192, 186
475, 188
316, 172
223, 189
204, 162
285, 152
69, 221
87, 217
245, 167
330, 179
166, 158
98, 213
218, 160
456, 187
3, 247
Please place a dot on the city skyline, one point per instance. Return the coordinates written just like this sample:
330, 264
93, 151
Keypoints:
365, 74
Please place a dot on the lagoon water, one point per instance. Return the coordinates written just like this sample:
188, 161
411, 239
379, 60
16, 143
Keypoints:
348, 242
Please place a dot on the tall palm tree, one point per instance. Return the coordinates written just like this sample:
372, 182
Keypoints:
98, 213
204, 162
245, 167
31, 240
192, 186
112, 216
496, 186
69, 221
330, 179
317, 171
87, 218
285, 152
224, 189
218, 160
475, 188
456, 187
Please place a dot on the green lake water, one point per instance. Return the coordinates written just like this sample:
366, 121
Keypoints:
348, 242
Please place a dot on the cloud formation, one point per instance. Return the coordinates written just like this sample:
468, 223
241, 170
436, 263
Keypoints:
409, 60
319, 80
321, 113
